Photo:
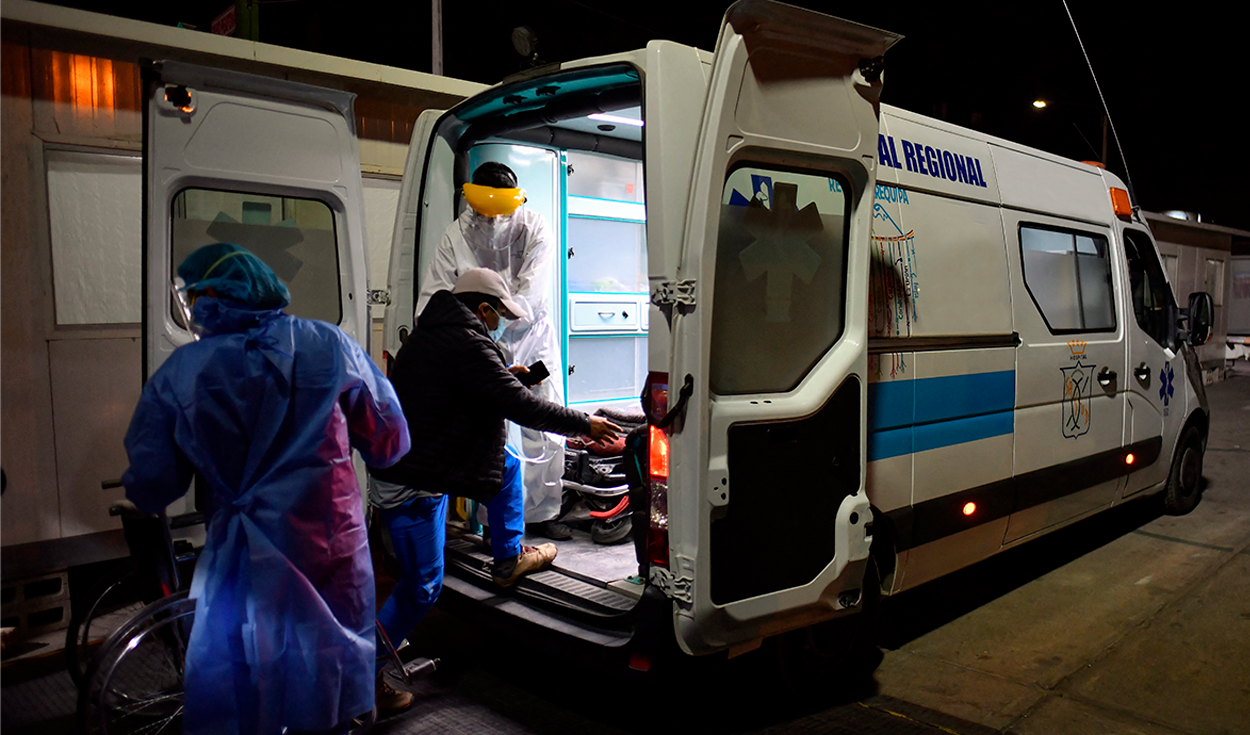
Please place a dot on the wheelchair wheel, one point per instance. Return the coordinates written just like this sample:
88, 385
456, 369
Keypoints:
111, 602
135, 682
365, 722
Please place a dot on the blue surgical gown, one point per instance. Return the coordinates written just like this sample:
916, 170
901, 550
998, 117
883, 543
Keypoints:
267, 408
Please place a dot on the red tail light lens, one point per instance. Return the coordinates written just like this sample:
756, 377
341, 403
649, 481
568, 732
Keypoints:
656, 397
658, 454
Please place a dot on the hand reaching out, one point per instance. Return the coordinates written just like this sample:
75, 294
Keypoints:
603, 430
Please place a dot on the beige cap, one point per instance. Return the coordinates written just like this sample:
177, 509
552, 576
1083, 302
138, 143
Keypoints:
487, 281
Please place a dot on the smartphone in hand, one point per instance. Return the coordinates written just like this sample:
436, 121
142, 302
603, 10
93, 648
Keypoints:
538, 372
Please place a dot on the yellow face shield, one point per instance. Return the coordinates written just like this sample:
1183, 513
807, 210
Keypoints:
491, 202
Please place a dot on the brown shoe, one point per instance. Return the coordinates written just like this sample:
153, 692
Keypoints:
390, 701
531, 559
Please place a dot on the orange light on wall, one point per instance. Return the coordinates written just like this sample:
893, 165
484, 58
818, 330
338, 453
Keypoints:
970, 508
88, 92
1129, 459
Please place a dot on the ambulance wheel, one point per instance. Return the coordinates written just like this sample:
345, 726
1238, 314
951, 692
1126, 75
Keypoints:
843, 650
1184, 488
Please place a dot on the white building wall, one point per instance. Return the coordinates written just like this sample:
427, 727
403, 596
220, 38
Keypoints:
1239, 296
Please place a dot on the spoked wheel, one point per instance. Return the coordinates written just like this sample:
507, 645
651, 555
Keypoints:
365, 722
111, 603
135, 682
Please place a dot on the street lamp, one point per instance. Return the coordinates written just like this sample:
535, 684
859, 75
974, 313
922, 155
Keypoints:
1041, 104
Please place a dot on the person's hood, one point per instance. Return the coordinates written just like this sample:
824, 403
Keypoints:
267, 332
445, 310
225, 316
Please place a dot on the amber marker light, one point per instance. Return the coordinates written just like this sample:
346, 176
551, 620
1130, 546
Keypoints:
970, 508
1121, 204
1129, 459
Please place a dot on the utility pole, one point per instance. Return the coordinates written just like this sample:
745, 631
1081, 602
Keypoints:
436, 37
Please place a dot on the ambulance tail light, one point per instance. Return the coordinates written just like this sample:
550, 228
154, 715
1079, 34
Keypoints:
1121, 204
655, 398
657, 502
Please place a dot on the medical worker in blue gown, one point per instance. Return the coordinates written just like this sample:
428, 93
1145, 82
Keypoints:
268, 407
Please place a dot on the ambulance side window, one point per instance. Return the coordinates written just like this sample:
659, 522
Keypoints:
1152, 299
1068, 274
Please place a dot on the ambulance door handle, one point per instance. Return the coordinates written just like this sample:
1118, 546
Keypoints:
1106, 377
1142, 372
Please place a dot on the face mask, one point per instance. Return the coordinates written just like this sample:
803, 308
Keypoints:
497, 333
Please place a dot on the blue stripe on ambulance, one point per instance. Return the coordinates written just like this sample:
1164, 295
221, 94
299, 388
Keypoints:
908, 416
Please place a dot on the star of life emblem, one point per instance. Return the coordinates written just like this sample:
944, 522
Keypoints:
1167, 377
780, 252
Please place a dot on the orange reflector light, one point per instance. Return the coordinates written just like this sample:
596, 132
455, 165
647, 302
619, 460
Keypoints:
970, 508
659, 453
1121, 204
1129, 459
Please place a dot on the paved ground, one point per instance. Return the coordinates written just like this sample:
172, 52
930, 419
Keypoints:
1130, 623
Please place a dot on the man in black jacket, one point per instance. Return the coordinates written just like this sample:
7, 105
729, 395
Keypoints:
457, 392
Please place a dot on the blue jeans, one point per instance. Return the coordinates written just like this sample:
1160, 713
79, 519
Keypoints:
419, 530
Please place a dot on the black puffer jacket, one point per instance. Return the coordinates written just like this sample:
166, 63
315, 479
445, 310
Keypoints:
456, 393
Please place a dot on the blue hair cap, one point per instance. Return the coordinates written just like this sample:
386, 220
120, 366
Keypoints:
234, 273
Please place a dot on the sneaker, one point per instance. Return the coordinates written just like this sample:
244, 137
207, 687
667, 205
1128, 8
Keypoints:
531, 559
554, 530
390, 701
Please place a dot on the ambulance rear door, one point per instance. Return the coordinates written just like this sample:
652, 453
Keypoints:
414, 202
264, 163
767, 512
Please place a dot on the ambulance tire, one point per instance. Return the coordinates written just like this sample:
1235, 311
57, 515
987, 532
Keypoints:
1184, 488
843, 651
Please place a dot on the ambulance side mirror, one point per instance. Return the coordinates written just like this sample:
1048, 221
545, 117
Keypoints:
1198, 319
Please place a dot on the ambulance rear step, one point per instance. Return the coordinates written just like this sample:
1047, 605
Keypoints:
569, 594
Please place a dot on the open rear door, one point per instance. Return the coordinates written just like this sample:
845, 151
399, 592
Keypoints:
263, 163
428, 175
768, 517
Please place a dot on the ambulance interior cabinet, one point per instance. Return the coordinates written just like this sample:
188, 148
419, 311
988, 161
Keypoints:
606, 282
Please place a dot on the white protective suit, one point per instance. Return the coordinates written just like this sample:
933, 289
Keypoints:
519, 247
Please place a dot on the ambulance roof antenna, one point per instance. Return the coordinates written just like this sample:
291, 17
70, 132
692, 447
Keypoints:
1127, 178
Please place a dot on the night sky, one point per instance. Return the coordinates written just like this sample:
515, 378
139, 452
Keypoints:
1172, 81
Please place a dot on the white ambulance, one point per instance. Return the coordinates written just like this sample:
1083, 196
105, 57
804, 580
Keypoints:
872, 348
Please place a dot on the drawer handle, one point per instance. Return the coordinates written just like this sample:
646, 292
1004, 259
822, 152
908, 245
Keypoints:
607, 314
